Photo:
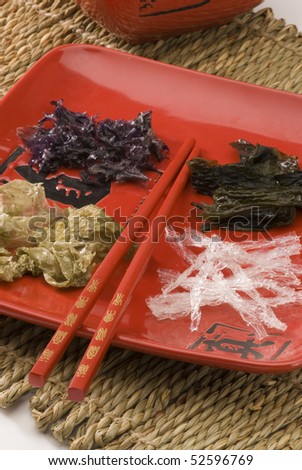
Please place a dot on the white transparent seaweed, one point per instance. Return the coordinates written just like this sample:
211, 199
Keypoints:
253, 277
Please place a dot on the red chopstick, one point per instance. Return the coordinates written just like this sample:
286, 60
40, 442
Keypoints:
83, 305
107, 327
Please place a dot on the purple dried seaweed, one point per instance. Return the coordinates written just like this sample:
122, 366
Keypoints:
107, 150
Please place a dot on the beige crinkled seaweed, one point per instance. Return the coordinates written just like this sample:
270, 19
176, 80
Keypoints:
139, 401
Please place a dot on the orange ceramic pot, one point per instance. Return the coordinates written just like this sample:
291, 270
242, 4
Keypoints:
149, 20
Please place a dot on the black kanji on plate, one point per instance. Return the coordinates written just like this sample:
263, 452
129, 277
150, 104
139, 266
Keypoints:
219, 338
62, 188
66, 189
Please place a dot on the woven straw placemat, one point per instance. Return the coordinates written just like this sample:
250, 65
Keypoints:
139, 401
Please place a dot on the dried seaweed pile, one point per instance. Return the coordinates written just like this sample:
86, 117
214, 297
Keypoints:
105, 150
63, 245
259, 192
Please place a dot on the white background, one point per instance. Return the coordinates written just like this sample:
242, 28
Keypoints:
17, 429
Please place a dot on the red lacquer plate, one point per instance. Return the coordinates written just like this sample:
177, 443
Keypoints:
185, 104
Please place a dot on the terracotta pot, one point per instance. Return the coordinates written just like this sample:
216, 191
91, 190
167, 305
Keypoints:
149, 20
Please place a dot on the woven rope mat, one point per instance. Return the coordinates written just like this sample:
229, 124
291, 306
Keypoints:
139, 401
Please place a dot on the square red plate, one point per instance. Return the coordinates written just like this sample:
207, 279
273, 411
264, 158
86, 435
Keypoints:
185, 104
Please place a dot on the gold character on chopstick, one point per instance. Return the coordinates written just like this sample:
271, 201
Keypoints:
93, 286
92, 352
46, 355
59, 337
101, 334
118, 299
81, 303
82, 370
71, 319
109, 316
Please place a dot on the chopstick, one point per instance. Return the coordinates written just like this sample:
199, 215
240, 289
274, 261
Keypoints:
106, 329
89, 295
